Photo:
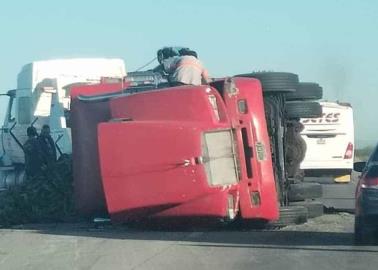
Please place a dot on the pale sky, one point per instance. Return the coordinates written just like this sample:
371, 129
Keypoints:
333, 43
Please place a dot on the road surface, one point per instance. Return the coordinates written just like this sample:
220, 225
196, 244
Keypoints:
322, 243
338, 196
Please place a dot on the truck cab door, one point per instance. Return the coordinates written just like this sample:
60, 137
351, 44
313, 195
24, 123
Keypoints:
11, 148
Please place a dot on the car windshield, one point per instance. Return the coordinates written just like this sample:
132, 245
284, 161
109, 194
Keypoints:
374, 157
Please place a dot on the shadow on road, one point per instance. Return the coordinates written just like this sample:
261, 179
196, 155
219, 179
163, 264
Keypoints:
287, 247
267, 239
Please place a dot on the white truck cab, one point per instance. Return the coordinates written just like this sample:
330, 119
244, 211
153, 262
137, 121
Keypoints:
330, 143
42, 97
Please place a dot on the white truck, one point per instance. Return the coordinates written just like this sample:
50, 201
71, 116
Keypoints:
330, 144
42, 97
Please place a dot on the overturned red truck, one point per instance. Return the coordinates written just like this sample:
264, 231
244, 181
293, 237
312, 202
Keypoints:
211, 151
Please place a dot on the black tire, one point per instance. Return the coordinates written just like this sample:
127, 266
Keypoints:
291, 215
359, 236
314, 208
296, 148
304, 191
275, 81
306, 91
298, 109
363, 233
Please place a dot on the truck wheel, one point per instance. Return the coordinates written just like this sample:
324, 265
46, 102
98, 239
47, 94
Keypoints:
299, 109
306, 91
295, 148
303, 191
275, 81
295, 154
291, 215
314, 208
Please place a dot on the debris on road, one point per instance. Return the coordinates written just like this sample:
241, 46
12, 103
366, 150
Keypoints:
46, 198
325, 223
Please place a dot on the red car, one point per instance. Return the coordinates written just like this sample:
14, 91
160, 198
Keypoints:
366, 216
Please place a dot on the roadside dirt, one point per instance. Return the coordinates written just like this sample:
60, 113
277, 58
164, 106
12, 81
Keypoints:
337, 222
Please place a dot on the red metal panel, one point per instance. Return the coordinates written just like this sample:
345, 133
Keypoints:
142, 161
149, 167
262, 180
212, 204
184, 103
95, 89
88, 192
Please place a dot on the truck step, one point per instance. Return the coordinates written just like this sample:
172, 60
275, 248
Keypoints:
7, 168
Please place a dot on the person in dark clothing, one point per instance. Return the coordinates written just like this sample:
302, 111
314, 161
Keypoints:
33, 162
47, 147
165, 53
162, 55
186, 51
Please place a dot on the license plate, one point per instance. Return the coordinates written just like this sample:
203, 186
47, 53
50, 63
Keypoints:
321, 141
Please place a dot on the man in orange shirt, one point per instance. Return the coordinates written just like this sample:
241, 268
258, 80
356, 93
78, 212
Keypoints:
185, 69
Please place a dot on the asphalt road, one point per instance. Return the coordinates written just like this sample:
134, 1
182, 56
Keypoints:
339, 196
322, 243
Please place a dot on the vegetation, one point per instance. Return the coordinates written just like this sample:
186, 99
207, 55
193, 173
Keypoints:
45, 198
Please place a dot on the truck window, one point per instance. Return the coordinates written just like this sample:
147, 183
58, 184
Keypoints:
12, 110
24, 110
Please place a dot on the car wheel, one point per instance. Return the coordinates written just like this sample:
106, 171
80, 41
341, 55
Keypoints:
363, 234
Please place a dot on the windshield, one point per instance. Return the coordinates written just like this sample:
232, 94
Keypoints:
374, 157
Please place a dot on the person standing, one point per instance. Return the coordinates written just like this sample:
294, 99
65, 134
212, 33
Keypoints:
47, 146
33, 162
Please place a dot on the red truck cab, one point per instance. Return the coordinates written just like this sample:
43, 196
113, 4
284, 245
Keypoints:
188, 151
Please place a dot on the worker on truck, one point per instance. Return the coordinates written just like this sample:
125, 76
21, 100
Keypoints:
186, 69
182, 67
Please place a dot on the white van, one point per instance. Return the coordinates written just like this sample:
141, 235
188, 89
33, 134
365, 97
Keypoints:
330, 143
